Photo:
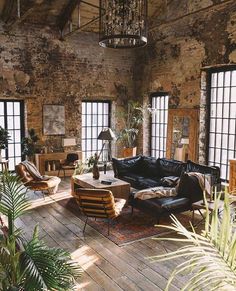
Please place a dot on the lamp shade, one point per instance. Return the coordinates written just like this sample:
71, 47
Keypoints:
106, 134
67, 142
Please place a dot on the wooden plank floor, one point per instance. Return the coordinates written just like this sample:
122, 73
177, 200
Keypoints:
106, 266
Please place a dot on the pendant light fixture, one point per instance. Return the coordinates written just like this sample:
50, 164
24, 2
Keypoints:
123, 24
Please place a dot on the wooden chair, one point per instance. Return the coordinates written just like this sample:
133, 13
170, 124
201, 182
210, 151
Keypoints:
69, 163
98, 203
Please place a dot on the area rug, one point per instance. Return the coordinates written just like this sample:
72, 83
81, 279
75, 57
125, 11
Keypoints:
127, 228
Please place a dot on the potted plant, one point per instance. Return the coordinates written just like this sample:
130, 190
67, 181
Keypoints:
132, 118
93, 161
29, 265
4, 138
30, 144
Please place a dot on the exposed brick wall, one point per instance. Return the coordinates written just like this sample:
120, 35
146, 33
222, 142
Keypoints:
37, 67
191, 35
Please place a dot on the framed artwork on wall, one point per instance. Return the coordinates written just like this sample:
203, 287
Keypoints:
182, 134
53, 119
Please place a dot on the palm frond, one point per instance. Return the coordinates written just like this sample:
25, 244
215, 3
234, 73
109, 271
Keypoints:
210, 257
47, 268
13, 200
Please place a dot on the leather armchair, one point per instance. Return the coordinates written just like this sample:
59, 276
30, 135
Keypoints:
50, 185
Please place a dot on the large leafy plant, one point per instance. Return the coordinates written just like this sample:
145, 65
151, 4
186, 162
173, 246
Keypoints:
30, 143
209, 257
4, 138
132, 118
28, 265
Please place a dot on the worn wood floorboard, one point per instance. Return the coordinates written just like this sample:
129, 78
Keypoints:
106, 266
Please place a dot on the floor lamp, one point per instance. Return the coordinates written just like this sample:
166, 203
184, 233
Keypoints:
106, 135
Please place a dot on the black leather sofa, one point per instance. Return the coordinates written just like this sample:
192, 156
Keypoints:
144, 172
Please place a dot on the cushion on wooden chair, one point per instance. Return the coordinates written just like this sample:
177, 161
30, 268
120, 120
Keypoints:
49, 183
98, 203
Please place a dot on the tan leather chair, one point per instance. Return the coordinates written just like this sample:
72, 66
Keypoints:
98, 203
50, 185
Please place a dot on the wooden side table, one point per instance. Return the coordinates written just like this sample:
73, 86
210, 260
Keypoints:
4, 165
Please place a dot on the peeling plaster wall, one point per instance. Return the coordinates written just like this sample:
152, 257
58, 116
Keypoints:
193, 34
37, 67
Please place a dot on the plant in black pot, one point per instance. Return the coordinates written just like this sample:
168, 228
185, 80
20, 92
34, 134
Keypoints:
4, 138
28, 265
30, 144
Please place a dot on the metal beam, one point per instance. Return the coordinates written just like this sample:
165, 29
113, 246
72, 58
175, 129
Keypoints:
21, 17
66, 14
81, 27
7, 10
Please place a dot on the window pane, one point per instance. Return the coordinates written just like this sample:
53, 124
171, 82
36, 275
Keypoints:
159, 125
95, 117
222, 120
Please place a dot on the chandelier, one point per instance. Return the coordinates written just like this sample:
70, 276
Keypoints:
123, 23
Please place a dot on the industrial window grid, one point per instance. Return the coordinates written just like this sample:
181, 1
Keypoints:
222, 119
159, 120
95, 117
12, 118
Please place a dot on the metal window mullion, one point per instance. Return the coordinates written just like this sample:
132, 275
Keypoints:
222, 121
227, 158
214, 146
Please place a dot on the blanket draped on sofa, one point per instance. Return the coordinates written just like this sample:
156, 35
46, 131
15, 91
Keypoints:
159, 192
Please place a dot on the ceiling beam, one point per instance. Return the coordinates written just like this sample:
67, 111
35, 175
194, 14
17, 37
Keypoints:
8, 9
66, 13
22, 16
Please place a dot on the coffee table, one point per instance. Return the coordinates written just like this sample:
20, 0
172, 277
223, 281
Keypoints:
119, 188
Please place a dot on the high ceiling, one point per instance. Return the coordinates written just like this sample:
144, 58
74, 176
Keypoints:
56, 13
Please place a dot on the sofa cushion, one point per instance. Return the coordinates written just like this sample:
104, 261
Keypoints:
160, 205
170, 181
212, 170
149, 167
170, 167
126, 166
189, 187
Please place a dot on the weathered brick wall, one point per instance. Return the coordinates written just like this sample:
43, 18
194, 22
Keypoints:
37, 67
191, 35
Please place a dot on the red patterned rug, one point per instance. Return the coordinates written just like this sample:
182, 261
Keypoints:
127, 228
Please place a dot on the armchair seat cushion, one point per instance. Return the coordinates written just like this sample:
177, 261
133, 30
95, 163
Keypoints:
51, 182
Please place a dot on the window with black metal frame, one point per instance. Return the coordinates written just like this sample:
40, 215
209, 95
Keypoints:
222, 118
159, 119
12, 119
95, 117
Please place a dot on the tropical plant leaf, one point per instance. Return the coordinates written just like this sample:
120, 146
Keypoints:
210, 257
47, 268
13, 196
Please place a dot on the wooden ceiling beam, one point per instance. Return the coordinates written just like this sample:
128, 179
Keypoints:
66, 13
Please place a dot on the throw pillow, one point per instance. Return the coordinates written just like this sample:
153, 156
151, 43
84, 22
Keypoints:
189, 187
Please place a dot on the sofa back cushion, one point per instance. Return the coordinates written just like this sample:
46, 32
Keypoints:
189, 187
213, 171
149, 167
170, 167
123, 167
